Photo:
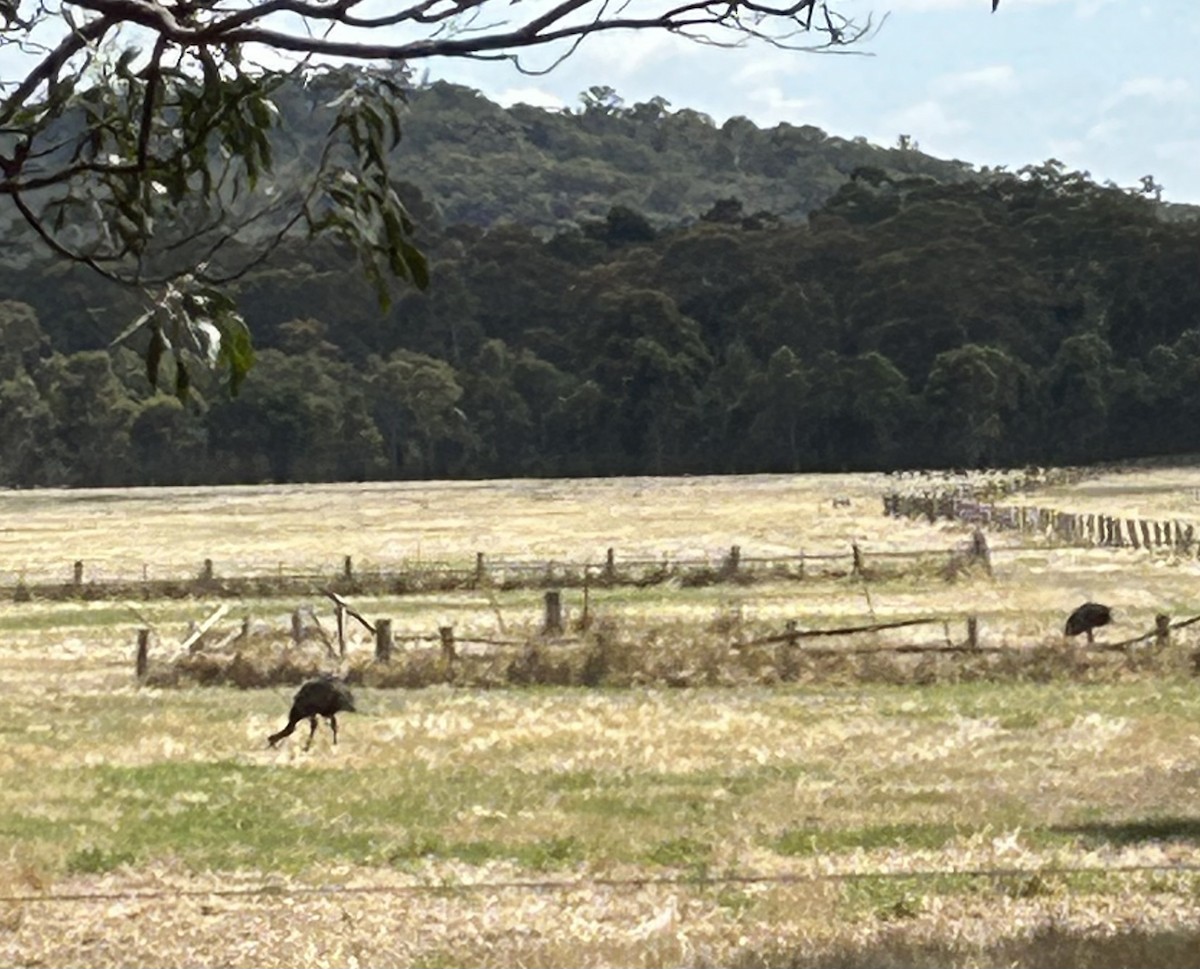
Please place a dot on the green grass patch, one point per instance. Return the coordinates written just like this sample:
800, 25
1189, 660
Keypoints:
821, 840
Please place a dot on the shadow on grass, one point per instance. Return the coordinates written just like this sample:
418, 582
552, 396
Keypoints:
1133, 832
1050, 947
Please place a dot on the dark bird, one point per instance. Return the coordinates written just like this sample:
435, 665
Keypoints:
326, 697
1089, 616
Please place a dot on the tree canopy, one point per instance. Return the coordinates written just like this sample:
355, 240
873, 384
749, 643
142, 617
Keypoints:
1014, 317
135, 134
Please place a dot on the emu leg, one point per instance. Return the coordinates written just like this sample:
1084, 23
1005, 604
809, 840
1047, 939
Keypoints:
1091, 638
312, 721
333, 727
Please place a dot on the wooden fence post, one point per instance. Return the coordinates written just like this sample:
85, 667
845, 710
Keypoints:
480, 569
610, 565
297, 627
856, 552
142, 663
732, 562
383, 640
348, 569
1162, 630
585, 620
973, 632
206, 575
77, 576
553, 623
980, 551
446, 635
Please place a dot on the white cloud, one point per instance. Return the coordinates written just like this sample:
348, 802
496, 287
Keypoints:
527, 95
773, 106
1154, 88
997, 78
926, 121
1185, 150
770, 63
1103, 132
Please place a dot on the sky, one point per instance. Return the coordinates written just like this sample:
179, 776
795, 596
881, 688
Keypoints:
1110, 87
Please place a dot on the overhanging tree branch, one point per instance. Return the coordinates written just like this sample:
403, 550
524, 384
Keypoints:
143, 165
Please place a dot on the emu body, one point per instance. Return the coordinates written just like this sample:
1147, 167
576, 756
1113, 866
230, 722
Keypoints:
1088, 617
325, 697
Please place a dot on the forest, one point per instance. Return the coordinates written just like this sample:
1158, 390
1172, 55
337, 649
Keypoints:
637, 290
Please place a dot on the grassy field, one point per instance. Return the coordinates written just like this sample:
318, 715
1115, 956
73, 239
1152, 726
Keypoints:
828, 822
170, 531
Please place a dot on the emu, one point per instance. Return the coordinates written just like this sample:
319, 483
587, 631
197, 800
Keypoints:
1089, 616
326, 697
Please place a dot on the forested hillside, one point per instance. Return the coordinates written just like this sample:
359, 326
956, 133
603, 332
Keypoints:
639, 291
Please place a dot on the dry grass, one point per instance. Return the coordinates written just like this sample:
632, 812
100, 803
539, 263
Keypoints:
118, 533
864, 806
410, 844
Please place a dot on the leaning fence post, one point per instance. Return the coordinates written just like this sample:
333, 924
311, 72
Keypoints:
339, 612
553, 623
383, 640
142, 663
858, 562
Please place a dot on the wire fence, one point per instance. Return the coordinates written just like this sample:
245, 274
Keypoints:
208, 578
625, 883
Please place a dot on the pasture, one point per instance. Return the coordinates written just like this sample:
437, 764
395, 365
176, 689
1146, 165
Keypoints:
838, 820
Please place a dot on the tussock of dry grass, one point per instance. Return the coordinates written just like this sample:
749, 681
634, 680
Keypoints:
727, 651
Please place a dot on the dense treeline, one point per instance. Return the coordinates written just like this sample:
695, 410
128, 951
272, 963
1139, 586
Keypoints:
1021, 318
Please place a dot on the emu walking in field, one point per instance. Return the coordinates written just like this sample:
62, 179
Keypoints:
326, 697
1088, 617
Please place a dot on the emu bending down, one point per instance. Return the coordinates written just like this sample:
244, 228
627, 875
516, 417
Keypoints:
1089, 616
326, 697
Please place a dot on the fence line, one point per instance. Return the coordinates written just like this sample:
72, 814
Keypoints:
1070, 528
487, 572
579, 884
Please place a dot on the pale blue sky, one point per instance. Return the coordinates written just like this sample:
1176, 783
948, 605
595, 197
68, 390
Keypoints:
1107, 86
